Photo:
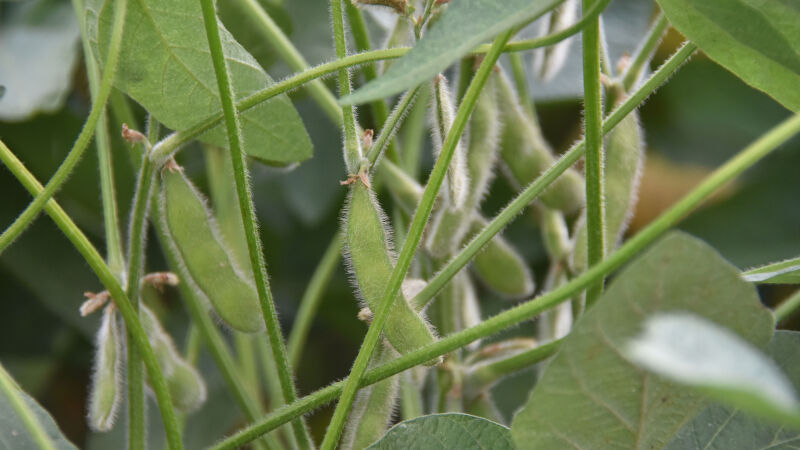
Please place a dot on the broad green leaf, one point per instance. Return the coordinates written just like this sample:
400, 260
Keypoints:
784, 272
463, 26
165, 65
701, 354
722, 428
37, 57
590, 393
758, 40
446, 431
14, 432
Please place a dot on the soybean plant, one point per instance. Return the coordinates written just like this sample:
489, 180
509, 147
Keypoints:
439, 125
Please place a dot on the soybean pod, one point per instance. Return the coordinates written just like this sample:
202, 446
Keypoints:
371, 261
106, 389
500, 267
526, 154
194, 236
442, 115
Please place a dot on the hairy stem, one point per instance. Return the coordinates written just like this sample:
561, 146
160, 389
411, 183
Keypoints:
109, 280
645, 52
244, 195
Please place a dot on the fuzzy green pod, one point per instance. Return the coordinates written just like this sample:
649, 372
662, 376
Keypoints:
194, 235
186, 387
500, 267
449, 225
371, 261
555, 235
526, 154
623, 168
105, 392
550, 60
373, 409
470, 306
442, 115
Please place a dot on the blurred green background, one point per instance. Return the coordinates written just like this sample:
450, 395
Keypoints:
700, 119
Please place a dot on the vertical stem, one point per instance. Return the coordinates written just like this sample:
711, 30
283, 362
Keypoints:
136, 242
593, 116
244, 194
411, 243
521, 83
312, 298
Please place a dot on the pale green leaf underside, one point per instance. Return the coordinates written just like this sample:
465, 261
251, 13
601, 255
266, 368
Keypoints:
14, 433
784, 272
758, 40
724, 428
463, 26
701, 354
166, 66
445, 432
592, 396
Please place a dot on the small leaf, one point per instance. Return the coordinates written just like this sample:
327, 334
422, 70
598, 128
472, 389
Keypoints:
446, 431
39, 50
757, 40
590, 393
463, 26
720, 427
702, 354
166, 66
784, 272
14, 433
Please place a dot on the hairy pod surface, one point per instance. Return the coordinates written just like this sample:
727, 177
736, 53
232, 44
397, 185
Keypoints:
374, 407
550, 60
555, 235
371, 263
443, 114
500, 267
526, 154
105, 392
194, 236
186, 387
624, 161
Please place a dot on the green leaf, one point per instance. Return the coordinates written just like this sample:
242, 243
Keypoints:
14, 432
784, 272
446, 431
720, 428
39, 51
701, 354
591, 393
165, 65
463, 26
758, 40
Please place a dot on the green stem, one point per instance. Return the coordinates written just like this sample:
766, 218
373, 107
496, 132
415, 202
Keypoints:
411, 242
244, 194
569, 158
289, 53
138, 229
109, 280
390, 125
787, 307
634, 70
164, 149
525, 311
521, 83
594, 159
485, 374
85, 136
11, 390
352, 148
312, 298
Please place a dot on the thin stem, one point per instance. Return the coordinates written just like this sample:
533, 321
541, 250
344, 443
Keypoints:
787, 307
594, 160
521, 83
289, 53
164, 149
136, 243
485, 374
9, 387
390, 126
720, 177
109, 280
312, 298
411, 242
85, 136
536, 187
244, 194
645, 52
